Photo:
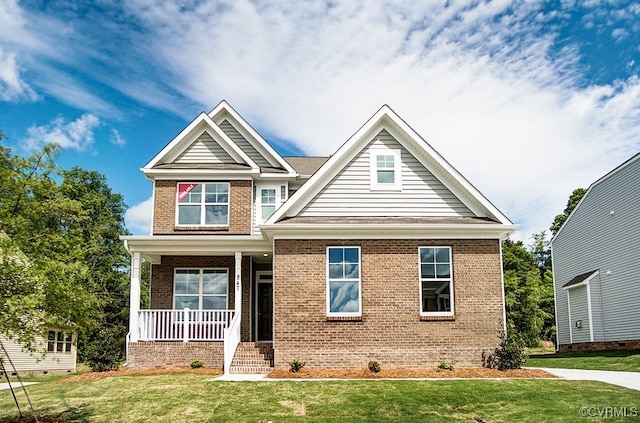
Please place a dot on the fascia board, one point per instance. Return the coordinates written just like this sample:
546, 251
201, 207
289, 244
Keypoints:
188, 244
225, 111
185, 174
390, 231
329, 169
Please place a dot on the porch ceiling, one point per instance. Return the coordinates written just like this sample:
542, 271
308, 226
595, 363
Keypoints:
152, 248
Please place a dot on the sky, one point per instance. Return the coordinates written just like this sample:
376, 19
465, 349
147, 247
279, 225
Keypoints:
527, 99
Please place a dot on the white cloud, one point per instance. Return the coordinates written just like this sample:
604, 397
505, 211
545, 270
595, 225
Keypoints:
76, 135
12, 85
138, 217
116, 138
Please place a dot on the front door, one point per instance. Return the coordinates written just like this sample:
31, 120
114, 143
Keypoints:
265, 311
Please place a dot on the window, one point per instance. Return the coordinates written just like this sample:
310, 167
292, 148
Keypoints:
203, 204
200, 289
59, 341
385, 169
343, 281
268, 202
436, 282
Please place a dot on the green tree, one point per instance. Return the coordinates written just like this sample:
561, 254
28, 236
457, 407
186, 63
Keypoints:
573, 201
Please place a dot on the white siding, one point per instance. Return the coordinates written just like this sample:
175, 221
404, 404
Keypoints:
595, 239
26, 362
350, 194
204, 150
244, 145
579, 312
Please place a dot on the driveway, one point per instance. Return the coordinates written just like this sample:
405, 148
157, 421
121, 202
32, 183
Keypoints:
629, 380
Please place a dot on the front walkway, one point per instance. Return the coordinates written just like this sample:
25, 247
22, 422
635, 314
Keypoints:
629, 380
16, 385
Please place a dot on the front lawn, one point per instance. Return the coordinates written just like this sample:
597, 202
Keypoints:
624, 361
192, 397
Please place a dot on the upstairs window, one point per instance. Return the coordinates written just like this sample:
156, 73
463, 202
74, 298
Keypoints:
268, 202
203, 204
386, 171
343, 281
436, 281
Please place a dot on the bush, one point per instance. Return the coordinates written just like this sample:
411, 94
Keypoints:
197, 364
509, 355
445, 366
104, 352
296, 365
374, 366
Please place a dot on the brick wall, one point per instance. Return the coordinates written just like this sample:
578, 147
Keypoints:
164, 209
162, 282
390, 330
149, 355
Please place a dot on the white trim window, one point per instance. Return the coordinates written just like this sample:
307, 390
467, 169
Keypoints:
267, 203
200, 289
436, 281
344, 296
386, 169
59, 342
202, 204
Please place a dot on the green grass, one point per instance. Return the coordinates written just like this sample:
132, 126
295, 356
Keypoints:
190, 397
627, 361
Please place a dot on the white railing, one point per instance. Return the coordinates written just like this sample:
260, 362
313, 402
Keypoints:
231, 341
183, 325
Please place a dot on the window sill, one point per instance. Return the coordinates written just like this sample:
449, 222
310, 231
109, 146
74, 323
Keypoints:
424, 318
201, 228
344, 318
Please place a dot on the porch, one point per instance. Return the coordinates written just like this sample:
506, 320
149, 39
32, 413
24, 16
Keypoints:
203, 303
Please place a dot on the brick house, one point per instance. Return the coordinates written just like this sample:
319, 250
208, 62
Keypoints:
382, 251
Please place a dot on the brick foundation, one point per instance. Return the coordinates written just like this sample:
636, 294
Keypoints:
601, 346
390, 330
149, 355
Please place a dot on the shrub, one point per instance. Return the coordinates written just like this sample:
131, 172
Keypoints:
443, 365
104, 352
509, 355
296, 365
374, 366
196, 364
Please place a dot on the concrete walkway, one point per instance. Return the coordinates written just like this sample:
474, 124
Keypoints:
629, 380
16, 385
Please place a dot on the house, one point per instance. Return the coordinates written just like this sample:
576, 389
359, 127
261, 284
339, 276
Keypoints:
596, 268
59, 345
382, 252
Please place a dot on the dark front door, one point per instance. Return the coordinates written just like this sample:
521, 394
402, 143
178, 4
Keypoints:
265, 311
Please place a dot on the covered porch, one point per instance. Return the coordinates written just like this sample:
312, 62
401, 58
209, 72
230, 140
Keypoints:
207, 295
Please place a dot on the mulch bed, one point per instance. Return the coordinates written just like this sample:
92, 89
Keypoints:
473, 372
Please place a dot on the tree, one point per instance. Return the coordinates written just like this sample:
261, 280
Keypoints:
68, 223
573, 201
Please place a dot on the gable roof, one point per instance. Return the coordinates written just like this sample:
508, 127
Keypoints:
385, 118
580, 279
238, 146
635, 158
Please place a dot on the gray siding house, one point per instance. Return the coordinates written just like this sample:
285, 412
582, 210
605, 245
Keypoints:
596, 265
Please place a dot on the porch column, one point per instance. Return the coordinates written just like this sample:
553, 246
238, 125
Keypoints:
134, 297
238, 285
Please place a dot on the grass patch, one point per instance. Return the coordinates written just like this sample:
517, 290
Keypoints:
192, 397
624, 361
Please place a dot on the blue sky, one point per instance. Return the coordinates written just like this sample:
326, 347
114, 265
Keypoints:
527, 99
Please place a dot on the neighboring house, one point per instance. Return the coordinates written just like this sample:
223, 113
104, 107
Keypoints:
596, 265
382, 251
60, 357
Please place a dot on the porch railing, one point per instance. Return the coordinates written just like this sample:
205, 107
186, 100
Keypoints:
183, 325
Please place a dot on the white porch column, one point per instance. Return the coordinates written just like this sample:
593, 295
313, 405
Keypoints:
134, 297
238, 285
